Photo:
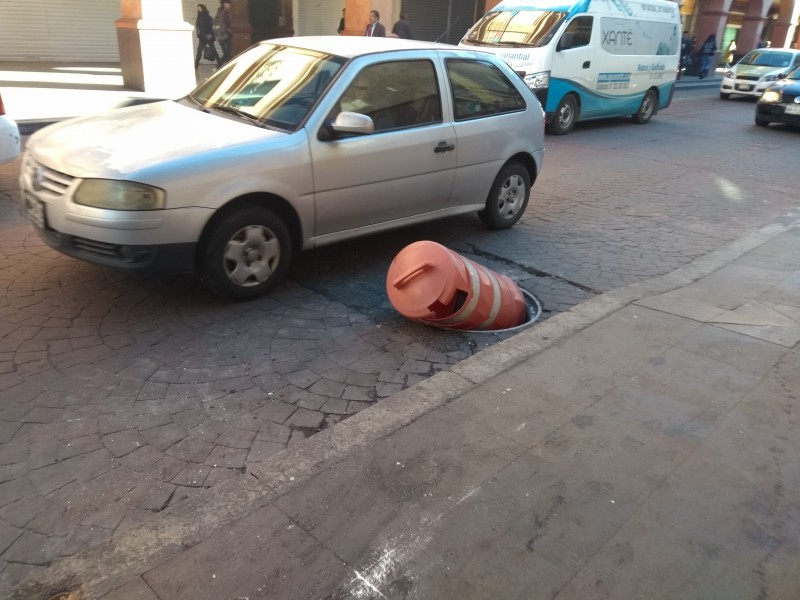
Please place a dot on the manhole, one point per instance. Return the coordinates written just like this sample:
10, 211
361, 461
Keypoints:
533, 311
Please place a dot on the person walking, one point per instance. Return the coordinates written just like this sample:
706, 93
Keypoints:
707, 51
402, 28
205, 36
687, 48
375, 27
223, 32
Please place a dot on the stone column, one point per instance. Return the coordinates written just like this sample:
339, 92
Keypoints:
357, 15
240, 24
156, 47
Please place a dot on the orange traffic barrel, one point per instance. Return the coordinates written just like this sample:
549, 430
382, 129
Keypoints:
430, 283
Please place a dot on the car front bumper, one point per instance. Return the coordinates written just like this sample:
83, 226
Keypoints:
744, 87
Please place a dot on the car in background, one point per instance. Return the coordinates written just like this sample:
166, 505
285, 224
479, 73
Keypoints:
757, 70
296, 143
9, 136
780, 102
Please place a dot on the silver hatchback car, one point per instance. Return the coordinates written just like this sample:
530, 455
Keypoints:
297, 143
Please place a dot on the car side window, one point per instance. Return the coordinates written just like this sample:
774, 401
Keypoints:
396, 95
480, 89
578, 33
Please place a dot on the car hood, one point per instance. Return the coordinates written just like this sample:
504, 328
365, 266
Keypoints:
125, 141
787, 86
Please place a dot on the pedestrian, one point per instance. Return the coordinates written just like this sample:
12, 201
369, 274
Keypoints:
707, 51
223, 32
687, 47
375, 27
340, 31
205, 37
729, 55
402, 28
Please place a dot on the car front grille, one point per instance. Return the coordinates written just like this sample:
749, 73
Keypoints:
748, 77
43, 178
95, 247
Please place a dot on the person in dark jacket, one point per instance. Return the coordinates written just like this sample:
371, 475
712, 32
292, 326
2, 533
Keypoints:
226, 38
707, 52
402, 28
205, 36
375, 27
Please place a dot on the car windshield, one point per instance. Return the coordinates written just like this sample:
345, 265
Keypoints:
794, 75
515, 28
269, 85
760, 58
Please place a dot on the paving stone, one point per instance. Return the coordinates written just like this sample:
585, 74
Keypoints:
21, 512
192, 475
261, 450
33, 549
150, 495
236, 438
307, 419
164, 436
133, 590
228, 458
123, 442
142, 458
191, 450
8, 535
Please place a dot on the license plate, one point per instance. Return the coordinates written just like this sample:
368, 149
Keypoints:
743, 86
793, 109
35, 210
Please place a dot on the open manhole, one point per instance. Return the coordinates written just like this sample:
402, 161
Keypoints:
533, 310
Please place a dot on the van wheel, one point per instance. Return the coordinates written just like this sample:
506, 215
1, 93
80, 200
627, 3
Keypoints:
508, 197
646, 109
246, 254
565, 116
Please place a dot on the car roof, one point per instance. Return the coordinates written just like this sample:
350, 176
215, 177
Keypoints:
349, 46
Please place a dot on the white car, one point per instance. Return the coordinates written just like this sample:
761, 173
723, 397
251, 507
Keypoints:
757, 70
297, 143
9, 136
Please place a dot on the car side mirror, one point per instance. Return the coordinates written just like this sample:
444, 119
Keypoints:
353, 123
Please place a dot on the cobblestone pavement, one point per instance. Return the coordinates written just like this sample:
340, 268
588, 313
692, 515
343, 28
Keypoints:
121, 395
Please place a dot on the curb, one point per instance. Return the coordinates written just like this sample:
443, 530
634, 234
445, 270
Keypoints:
141, 548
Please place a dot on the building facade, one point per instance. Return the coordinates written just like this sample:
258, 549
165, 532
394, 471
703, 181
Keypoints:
86, 31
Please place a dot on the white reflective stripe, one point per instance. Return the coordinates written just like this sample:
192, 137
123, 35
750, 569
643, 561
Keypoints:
466, 311
495, 301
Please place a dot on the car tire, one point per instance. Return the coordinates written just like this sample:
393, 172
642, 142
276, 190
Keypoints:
647, 108
724, 96
246, 253
761, 121
508, 197
564, 117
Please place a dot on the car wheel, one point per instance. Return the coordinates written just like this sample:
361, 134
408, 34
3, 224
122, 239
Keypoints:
508, 197
724, 96
246, 253
646, 109
565, 116
761, 121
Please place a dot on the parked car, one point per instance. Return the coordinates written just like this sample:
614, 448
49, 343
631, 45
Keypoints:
780, 102
9, 136
757, 70
297, 143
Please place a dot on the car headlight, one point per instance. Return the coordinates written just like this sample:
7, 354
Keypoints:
730, 74
119, 195
538, 81
770, 78
771, 96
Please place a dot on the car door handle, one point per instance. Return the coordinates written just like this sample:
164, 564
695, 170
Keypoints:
444, 147
587, 64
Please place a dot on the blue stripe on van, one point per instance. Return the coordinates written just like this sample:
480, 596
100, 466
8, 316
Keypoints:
595, 105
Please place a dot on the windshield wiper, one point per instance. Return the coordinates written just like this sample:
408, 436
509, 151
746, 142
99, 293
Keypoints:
239, 113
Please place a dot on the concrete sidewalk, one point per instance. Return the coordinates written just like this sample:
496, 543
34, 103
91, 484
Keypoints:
37, 94
641, 445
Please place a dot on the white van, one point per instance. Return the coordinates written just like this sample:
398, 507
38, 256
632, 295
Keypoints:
587, 59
